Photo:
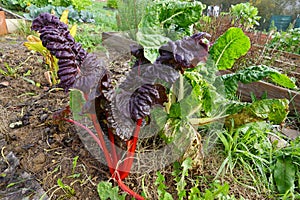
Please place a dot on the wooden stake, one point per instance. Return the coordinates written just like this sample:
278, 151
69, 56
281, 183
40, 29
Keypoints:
3, 27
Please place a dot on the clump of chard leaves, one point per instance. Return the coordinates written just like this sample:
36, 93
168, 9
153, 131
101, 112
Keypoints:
200, 97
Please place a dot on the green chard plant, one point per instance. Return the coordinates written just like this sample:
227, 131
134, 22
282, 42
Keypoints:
245, 15
286, 41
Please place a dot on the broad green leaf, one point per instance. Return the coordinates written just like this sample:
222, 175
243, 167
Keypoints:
106, 191
229, 47
274, 110
284, 174
253, 74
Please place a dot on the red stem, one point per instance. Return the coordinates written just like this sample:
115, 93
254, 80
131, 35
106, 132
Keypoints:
113, 161
113, 148
102, 142
85, 128
129, 191
131, 146
105, 151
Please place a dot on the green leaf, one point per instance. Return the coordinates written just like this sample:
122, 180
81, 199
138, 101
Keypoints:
194, 193
253, 74
161, 187
284, 174
187, 164
229, 47
76, 103
273, 110
165, 21
106, 191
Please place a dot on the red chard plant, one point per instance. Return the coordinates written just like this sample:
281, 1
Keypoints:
178, 91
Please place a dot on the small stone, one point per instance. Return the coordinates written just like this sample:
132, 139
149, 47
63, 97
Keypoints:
47, 130
39, 159
17, 124
4, 83
43, 117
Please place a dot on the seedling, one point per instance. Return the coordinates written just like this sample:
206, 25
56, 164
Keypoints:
10, 71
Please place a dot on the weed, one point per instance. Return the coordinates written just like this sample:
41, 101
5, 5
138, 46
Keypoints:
69, 191
24, 29
161, 187
180, 172
180, 175
10, 71
106, 191
89, 36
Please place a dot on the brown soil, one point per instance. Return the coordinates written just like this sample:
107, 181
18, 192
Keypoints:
45, 149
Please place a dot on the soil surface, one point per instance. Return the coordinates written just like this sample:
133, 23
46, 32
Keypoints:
36, 151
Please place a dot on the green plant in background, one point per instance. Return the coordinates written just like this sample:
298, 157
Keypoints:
130, 13
165, 21
73, 16
89, 37
24, 29
112, 4
77, 4
81, 4
104, 18
18, 5
245, 14
286, 41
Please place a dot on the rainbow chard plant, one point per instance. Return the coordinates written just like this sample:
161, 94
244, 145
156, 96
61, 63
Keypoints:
117, 114
181, 82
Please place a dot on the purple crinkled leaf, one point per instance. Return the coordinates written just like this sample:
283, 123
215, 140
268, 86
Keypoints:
185, 53
56, 38
142, 100
138, 52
